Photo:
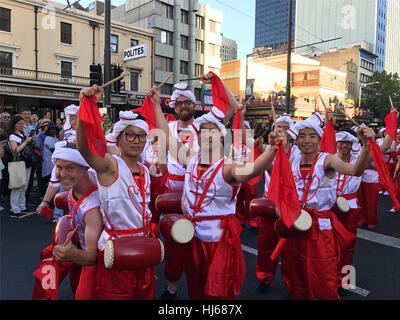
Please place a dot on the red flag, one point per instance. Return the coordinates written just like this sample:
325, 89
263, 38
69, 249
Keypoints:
282, 189
384, 177
254, 154
391, 125
328, 140
236, 127
91, 118
147, 111
219, 97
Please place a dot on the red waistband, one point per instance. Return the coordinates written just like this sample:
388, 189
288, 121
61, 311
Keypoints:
126, 232
176, 177
349, 196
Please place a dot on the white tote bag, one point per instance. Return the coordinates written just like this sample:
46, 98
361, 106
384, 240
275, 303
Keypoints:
17, 172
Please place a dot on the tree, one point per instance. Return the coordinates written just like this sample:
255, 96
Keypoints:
375, 97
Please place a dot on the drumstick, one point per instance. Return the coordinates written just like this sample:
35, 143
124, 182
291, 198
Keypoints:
27, 214
165, 80
71, 234
348, 117
114, 80
278, 248
323, 103
190, 79
273, 111
391, 103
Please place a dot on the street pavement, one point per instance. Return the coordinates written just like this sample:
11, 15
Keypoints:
376, 261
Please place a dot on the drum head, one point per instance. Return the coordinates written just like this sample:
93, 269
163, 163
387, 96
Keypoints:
343, 204
303, 223
109, 254
182, 231
63, 227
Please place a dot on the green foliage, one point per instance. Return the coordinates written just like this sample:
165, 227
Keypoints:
375, 97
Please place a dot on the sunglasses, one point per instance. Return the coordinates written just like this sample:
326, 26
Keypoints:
131, 137
186, 102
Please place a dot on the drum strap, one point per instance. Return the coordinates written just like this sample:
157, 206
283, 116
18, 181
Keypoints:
78, 203
307, 182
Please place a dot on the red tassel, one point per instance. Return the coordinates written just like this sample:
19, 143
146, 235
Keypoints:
391, 125
383, 172
328, 140
219, 96
91, 118
147, 111
282, 189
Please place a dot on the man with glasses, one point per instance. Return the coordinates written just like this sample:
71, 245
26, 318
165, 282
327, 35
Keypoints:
124, 190
5, 117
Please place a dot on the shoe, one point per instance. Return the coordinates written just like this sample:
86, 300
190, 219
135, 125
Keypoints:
263, 288
371, 226
360, 223
393, 210
1, 208
167, 295
380, 192
386, 193
15, 215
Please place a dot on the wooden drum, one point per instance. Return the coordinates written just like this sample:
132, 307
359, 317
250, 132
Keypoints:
263, 207
169, 202
303, 223
133, 253
175, 227
61, 200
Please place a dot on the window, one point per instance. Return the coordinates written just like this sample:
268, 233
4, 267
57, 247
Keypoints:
5, 62
184, 67
134, 42
212, 26
199, 22
167, 37
213, 50
66, 70
166, 64
66, 33
114, 43
185, 17
168, 11
166, 88
198, 70
184, 42
5, 19
134, 81
199, 46
197, 93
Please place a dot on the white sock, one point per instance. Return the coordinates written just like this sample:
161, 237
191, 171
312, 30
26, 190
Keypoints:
171, 291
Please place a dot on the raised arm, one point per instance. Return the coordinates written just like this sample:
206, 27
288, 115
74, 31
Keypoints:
105, 168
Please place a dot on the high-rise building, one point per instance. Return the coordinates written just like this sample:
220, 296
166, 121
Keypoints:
228, 49
271, 29
392, 56
352, 20
187, 38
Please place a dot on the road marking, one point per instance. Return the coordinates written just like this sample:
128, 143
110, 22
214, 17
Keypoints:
378, 238
249, 250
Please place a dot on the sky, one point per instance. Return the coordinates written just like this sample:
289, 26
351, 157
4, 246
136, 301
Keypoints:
238, 20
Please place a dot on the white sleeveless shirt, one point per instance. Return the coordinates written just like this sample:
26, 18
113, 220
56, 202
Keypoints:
219, 201
122, 202
322, 194
174, 167
78, 210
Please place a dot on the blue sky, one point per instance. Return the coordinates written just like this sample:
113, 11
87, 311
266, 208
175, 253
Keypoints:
238, 20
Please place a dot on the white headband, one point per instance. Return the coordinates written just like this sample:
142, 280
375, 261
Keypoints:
288, 119
210, 117
181, 90
70, 110
68, 154
343, 136
314, 122
126, 118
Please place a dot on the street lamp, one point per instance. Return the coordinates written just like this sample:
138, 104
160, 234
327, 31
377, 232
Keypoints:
359, 93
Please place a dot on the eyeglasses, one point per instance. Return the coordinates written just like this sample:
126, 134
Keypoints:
131, 137
180, 103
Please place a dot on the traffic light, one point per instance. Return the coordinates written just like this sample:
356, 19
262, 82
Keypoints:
117, 71
96, 75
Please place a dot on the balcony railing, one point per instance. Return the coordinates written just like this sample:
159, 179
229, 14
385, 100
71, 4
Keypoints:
27, 74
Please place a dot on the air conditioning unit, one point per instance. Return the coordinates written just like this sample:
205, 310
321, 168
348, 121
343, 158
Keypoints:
66, 80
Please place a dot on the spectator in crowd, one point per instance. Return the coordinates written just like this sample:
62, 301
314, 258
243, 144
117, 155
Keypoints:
4, 191
39, 144
47, 115
59, 123
106, 125
18, 141
48, 149
26, 116
3, 143
34, 121
5, 118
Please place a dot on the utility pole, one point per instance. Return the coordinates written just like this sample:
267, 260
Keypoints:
107, 56
289, 56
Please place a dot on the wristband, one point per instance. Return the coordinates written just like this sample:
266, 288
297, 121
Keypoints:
45, 201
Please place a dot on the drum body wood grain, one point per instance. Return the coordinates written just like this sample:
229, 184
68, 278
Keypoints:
169, 202
263, 207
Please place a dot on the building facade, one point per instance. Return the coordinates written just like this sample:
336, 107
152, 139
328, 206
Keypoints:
228, 50
352, 20
46, 53
271, 28
187, 38
392, 56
